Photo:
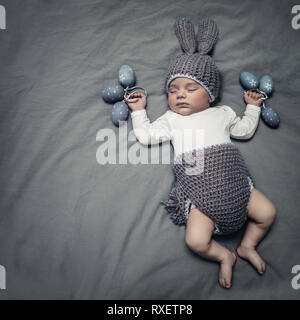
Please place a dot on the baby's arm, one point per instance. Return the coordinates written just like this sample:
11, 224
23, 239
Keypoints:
245, 128
146, 132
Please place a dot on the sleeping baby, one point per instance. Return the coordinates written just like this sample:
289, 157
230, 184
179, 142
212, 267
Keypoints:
214, 192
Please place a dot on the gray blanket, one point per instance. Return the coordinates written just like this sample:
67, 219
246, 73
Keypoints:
73, 228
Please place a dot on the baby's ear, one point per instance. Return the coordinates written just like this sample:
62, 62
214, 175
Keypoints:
207, 35
185, 33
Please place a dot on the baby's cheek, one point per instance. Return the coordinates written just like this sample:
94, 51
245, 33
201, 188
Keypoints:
170, 100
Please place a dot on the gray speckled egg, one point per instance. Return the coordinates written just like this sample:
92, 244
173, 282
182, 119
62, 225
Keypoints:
270, 117
113, 93
126, 76
248, 80
119, 112
266, 84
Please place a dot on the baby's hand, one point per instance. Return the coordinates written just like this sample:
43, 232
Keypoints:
140, 102
253, 98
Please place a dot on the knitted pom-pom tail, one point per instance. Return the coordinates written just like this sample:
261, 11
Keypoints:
185, 33
172, 205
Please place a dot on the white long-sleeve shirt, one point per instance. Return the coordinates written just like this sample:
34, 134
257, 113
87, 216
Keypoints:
211, 126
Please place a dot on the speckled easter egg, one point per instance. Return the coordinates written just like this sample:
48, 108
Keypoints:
248, 80
266, 84
270, 117
119, 112
126, 76
113, 93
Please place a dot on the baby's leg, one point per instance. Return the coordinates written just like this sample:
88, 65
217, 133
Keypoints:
198, 237
261, 212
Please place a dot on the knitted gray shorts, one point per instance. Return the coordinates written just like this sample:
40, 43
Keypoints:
221, 190
189, 205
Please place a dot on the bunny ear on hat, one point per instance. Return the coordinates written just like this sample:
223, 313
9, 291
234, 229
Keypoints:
185, 33
207, 35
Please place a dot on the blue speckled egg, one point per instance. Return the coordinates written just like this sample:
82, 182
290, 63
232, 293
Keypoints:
126, 76
119, 112
248, 80
113, 93
270, 117
266, 84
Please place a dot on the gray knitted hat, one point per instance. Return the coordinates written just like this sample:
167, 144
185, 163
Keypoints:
198, 66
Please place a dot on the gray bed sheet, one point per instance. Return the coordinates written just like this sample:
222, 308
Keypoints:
72, 228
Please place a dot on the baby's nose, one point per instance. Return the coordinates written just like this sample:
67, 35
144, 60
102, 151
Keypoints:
181, 94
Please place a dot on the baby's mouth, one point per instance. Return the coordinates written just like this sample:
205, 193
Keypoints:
182, 104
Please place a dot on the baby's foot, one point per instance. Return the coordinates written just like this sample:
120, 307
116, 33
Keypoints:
253, 257
225, 273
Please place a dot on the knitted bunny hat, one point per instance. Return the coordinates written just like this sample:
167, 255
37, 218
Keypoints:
198, 66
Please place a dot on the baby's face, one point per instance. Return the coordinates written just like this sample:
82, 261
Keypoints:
186, 96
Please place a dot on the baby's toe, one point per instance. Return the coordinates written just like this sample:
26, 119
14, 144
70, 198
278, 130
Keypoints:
221, 282
262, 268
224, 283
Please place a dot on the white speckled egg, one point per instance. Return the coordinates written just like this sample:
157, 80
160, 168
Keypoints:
126, 76
119, 112
113, 93
266, 84
248, 80
270, 117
